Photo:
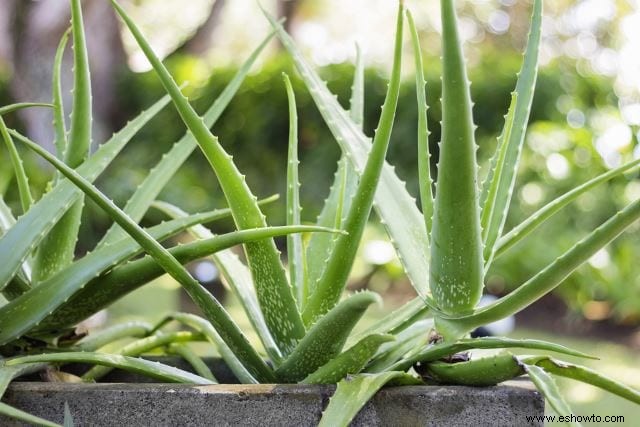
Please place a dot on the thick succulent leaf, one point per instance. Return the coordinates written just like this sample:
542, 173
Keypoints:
17, 414
483, 372
349, 362
397, 320
504, 176
489, 201
325, 339
9, 373
345, 183
424, 157
456, 270
331, 284
205, 328
81, 117
30, 228
356, 104
104, 290
525, 228
20, 105
549, 389
58, 248
59, 288
158, 177
352, 394
142, 346
238, 277
343, 188
408, 342
295, 249
438, 351
546, 280
131, 364
22, 281
273, 290
211, 307
97, 340
585, 375
26, 199
68, 418
196, 362
395, 206
59, 126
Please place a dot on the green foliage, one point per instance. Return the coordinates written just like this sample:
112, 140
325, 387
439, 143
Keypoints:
301, 319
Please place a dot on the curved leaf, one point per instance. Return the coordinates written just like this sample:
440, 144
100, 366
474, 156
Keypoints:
212, 309
352, 394
349, 362
438, 351
31, 228
325, 339
331, 284
131, 364
504, 176
273, 290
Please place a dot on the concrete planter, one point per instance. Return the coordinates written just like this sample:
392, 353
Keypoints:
151, 404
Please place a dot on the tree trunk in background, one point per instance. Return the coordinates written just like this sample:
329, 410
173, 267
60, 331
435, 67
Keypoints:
201, 40
287, 9
36, 31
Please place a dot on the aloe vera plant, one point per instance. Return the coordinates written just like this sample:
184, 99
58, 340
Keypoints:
303, 320
461, 227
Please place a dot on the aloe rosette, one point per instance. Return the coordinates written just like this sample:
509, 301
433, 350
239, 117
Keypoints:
302, 318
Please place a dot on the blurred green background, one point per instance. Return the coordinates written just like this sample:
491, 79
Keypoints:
585, 120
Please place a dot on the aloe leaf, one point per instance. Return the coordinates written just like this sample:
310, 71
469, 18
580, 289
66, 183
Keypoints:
334, 277
504, 175
104, 290
407, 342
396, 320
238, 278
456, 270
585, 375
549, 389
489, 201
325, 339
60, 140
7, 220
212, 309
398, 210
424, 157
438, 351
273, 290
58, 248
295, 249
97, 340
31, 228
352, 394
196, 362
17, 414
349, 362
131, 364
158, 177
205, 328
26, 199
338, 201
547, 279
343, 188
68, 418
525, 228
483, 372
141, 346
20, 105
